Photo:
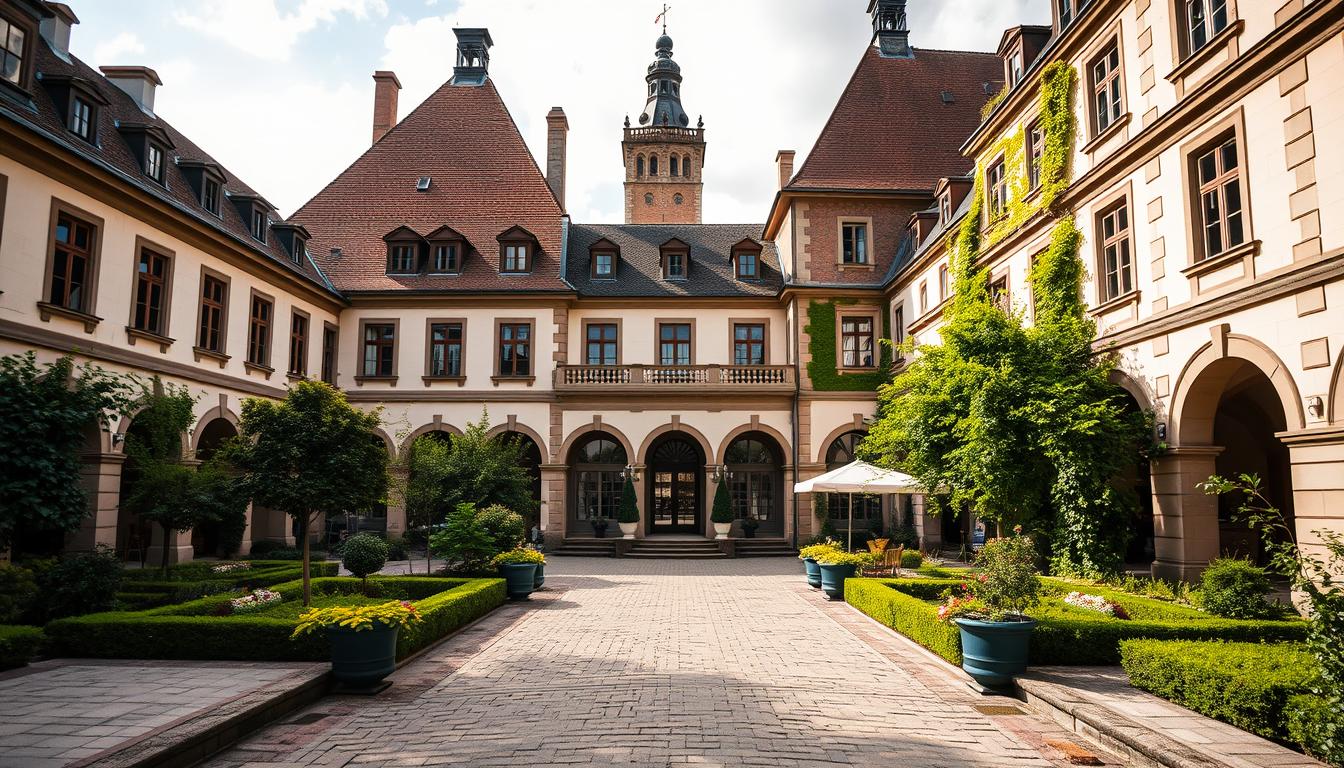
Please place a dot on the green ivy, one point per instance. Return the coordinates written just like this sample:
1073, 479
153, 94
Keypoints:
822, 370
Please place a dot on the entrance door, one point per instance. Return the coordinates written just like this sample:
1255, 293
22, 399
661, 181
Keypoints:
676, 472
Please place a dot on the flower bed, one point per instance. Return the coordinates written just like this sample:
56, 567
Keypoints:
259, 600
1065, 634
194, 630
151, 588
18, 645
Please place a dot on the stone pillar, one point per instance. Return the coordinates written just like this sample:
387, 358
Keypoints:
245, 546
179, 547
100, 476
1317, 459
272, 525
554, 507
1185, 519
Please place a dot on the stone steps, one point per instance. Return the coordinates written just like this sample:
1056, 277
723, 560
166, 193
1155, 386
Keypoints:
676, 549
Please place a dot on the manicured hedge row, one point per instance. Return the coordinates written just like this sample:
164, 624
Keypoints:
148, 589
1254, 686
1064, 635
18, 645
191, 631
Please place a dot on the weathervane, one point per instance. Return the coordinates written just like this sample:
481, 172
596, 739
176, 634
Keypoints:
662, 17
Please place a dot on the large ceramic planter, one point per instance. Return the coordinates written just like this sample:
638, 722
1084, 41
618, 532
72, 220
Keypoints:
833, 579
993, 651
519, 579
362, 659
541, 576
628, 530
813, 572
721, 530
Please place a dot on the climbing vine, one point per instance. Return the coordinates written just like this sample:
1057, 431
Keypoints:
822, 370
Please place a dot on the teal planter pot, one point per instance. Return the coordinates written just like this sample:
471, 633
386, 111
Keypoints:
519, 579
541, 576
813, 572
833, 579
362, 659
993, 651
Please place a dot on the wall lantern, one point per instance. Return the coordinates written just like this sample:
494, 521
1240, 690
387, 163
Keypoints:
1316, 406
631, 473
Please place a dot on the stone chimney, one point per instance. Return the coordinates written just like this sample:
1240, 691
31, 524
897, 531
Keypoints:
784, 162
386, 88
138, 83
557, 131
56, 29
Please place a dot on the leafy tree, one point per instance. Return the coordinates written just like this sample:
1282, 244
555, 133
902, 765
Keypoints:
423, 483
309, 455
483, 471
505, 527
464, 543
45, 413
629, 509
364, 554
161, 486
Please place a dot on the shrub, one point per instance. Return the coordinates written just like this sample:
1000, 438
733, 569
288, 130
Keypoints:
397, 549
913, 617
722, 512
1235, 589
18, 645
1309, 718
364, 554
911, 560
505, 527
261, 548
463, 543
83, 583
1247, 685
18, 590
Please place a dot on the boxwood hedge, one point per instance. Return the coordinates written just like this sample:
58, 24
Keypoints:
1064, 635
150, 587
192, 630
18, 645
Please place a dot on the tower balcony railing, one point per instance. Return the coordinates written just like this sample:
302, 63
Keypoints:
665, 133
653, 378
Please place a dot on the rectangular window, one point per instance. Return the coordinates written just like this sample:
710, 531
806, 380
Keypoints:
923, 297
445, 259
602, 344
997, 182
747, 265
1220, 197
1106, 88
445, 350
81, 118
604, 264
998, 293
1015, 68
676, 266
515, 258
945, 209
898, 331
151, 292
214, 297
856, 342
944, 288
298, 345
329, 354
13, 46
1035, 154
1117, 264
674, 344
154, 162
259, 332
259, 224
748, 344
210, 195
402, 260
380, 340
1065, 13
72, 264
854, 243
1204, 20
515, 349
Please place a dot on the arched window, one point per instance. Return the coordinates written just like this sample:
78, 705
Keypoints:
639, 166
596, 467
867, 507
755, 477
673, 169
686, 166
653, 165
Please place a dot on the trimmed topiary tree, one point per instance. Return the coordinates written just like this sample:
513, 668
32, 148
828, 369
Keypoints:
723, 506
362, 555
629, 509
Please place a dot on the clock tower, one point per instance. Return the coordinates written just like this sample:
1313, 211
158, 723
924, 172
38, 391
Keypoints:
664, 154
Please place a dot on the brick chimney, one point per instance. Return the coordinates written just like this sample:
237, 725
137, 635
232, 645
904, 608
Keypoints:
784, 162
138, 83
386, 87
557, 131
56, 29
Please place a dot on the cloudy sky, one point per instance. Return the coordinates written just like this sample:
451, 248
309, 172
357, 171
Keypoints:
280, 90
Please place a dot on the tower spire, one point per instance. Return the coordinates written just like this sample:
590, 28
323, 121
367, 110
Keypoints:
663, 17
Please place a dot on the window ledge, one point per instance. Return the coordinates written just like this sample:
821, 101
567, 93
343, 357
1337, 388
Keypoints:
1123, 300
528, 380
458, 380
133, 333
856, 370
1104, 136
443, 274
1198, 58
219, 357
515, 273
360, 380
46, 310
296, 376
1224, 259
252, 367
844, 266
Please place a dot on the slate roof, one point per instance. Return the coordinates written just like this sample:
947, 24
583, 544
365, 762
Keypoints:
114, 154
484, 182
640, 273
892, 129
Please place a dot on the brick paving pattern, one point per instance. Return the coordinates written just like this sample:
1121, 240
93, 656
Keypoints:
663, 663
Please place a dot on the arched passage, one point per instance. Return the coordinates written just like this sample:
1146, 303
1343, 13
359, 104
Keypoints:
597, 461
754, 470
530, 460
208, 539
675, 488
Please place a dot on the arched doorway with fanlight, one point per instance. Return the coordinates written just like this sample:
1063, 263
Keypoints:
596, 475
867, 508
754, 471
675, 485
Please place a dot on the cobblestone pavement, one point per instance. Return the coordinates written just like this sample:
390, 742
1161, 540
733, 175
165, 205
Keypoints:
663, 663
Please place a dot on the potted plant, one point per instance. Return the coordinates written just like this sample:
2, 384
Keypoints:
519, 569
990, 611
363, 640
541, 569
628, 514
749, 525
722, 513
599, 524
809, 555
837, 565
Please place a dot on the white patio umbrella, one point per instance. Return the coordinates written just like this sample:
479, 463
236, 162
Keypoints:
858, 477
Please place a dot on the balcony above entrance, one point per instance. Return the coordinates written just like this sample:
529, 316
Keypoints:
719, 379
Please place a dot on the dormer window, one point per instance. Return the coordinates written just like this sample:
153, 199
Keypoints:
403, 251
293, 238
402, 260
1015, 67
516, 258
81, 118
446, 259
676, 266
945, 209
604, 265
207, 180
259, 225
516, 249
674, 257
210, 190
747, 260
13, 50
446, 251
154, 162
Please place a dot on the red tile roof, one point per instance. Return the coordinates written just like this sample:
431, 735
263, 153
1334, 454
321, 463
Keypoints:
484, 182
892, 129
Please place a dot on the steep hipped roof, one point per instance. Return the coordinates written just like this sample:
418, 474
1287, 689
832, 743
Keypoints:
484, 181
640, 274
894, 127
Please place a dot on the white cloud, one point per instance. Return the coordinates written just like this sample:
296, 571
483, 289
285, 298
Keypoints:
114, 50
258, 27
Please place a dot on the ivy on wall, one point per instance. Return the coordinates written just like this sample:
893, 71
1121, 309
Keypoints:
822, 370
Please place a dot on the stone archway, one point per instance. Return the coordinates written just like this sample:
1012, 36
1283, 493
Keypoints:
207, 539
675, 484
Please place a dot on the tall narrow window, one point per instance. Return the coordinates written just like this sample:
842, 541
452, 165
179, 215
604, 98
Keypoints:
856, 342
639, 166
686, 165
401, 260
1015, 68
854, 243
380, 340
446, 259
1035, 155
1065, 13
1106, 88
259, 224
13, 45
898, 331
445, 350
259, 333
997, 182
653, 165
515, 349
674, 166
944, 288
210, 195
151, 290
298, 345
674, 344
1117, 264
81, 118
998, 293
214, 295
329, 355
602, 341
945, 209
154, 162
748, 344
1204, 20
923, 297
72, 264
1220, 198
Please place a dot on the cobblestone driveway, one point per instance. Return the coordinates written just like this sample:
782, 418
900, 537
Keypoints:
662, 663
